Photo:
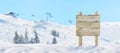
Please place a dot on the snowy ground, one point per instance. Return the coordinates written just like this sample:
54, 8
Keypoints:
109, 41
104, 47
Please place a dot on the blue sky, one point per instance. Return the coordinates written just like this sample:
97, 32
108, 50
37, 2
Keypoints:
62, 10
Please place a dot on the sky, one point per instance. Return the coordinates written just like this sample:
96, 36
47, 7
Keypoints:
62, 10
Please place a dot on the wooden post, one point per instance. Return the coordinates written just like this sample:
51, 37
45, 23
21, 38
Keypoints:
80, 40
96, 40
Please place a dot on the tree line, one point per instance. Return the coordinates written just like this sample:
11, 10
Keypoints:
24, 39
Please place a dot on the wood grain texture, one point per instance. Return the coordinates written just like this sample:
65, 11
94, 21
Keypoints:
88, 25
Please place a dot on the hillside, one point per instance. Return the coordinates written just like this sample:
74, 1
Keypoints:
109, 41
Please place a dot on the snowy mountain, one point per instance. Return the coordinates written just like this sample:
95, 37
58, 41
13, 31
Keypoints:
109, 41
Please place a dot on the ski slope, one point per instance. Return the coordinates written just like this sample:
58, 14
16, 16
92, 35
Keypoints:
109, 41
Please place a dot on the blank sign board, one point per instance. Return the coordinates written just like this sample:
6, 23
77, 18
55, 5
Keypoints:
88, 25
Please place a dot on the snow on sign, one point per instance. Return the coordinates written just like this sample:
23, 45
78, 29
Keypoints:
88, 25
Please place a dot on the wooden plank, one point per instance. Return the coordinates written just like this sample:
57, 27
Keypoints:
86, 22
88, 19
96, 40
89, 24
88, 31
80, 41
89, 34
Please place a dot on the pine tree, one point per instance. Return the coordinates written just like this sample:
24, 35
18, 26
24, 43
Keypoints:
36, 37
54, 41
54, 33
26, 37
21, 40
16, 41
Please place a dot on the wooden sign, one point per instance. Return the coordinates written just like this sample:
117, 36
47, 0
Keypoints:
87, 25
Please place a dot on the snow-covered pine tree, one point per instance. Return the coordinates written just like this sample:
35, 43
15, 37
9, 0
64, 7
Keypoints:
16, 41
32, 41
55, 33
36, 37
54, 41
26, 37
21, 40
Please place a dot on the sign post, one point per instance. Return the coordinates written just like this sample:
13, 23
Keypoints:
88, 25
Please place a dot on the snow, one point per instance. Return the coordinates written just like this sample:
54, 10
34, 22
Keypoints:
109, 41
60, 48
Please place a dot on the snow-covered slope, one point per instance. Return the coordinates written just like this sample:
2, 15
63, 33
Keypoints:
110, 30
43, 28
67, 42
